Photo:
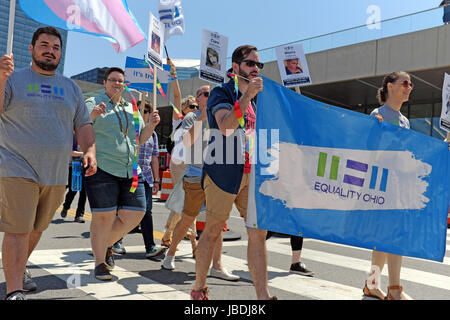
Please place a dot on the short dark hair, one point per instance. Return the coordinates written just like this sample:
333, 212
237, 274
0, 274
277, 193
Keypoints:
46, 30
111, 70
240, 53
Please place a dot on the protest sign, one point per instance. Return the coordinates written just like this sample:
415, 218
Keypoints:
293, 66
445, 112
213, 61
155, 41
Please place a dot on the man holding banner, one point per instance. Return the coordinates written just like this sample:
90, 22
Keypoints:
39, 110
226, 183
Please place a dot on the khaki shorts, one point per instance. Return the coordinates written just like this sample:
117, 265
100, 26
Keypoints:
26, 206
193, 199
219, 203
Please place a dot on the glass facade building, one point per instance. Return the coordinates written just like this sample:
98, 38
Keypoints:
24, 29
95, 75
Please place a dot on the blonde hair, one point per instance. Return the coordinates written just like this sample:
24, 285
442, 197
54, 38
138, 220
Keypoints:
189, 100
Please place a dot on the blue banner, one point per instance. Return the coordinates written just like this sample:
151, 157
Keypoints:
140, 77
336, 175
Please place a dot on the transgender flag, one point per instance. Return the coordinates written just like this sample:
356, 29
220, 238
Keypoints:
110, 19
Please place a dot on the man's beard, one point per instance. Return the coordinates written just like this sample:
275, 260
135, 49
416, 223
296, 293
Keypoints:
245, 75
44, 65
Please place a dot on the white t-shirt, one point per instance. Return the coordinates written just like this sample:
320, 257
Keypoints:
178, 152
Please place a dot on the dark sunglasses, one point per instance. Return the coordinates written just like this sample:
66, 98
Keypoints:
251, 63
192, 106
147, 111
205, 94
406, 84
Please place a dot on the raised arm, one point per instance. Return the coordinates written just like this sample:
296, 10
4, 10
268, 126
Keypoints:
176, 90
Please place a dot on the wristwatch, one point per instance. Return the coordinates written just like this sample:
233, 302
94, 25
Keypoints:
156, 181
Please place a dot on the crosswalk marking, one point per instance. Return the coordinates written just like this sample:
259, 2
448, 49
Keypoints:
67, 264
148, 289
407, 274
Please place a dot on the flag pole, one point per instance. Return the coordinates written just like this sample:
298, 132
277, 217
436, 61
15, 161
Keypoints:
12, 14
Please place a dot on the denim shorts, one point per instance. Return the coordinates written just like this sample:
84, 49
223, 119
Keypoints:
107, 193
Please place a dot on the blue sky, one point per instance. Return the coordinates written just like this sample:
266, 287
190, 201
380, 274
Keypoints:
262, 23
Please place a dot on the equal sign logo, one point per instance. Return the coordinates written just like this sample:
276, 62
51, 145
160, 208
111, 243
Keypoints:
358, 167
45, 89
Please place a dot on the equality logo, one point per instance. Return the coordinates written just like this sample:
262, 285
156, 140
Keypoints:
353, 168
45, 89
310, 177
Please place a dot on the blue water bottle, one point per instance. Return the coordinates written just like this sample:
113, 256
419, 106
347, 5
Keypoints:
76, 175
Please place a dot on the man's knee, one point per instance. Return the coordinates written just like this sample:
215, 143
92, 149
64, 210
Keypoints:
258, 235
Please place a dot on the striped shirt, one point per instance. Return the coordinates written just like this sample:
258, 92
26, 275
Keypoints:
148, 150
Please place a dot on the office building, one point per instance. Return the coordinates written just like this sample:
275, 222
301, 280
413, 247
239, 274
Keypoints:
24, 29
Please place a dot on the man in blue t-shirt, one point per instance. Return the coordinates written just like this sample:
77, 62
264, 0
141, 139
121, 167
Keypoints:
231, 117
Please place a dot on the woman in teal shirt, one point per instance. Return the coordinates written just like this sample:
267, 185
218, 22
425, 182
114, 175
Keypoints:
115, 209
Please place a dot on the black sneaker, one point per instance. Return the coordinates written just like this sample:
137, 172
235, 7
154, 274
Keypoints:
300, 268
63, 213
78, 219
16, 295
101, 272
109, 259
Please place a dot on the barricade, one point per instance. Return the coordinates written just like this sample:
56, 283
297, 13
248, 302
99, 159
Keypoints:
227, 233
166, 185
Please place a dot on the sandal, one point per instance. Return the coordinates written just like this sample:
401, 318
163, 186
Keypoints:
367, 293
389, 296
166, 242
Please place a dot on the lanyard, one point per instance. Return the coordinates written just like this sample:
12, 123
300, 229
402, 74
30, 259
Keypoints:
125, 133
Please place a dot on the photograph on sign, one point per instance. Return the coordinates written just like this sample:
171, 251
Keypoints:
213, 61
445, 113
140, 77
293, 66
155, 41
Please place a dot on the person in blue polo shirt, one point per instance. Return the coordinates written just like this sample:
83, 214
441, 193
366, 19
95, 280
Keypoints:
226, 169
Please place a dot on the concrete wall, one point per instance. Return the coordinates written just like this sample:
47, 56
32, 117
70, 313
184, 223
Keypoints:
427, 49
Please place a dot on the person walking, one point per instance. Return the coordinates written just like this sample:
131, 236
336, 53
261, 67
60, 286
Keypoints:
39, 111
231, 115
177, 164
194, 136
149, 163
395, 91
117, 204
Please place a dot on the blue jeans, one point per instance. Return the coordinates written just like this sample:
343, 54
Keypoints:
147, 220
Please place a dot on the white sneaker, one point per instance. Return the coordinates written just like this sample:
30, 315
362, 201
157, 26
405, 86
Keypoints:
169, 262
223, 274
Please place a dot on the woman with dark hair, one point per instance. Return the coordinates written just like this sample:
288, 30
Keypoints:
394, 92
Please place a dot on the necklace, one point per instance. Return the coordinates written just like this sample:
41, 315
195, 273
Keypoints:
125, 133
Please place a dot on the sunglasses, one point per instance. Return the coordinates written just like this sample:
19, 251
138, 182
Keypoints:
406, 84
147, 111
192, 107
251, 63
205, 94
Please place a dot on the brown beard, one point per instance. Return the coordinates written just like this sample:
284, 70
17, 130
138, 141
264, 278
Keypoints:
47, 66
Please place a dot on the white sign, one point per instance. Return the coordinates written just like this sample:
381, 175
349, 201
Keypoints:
171, 14
293, 66
213, 60
155, 41
445, 113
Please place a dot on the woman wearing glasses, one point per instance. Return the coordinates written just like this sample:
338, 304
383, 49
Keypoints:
116, 208
177, 164
394, 92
